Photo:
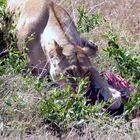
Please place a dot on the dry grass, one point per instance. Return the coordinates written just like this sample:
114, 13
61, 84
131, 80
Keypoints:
125, 19
22, 122
122, 14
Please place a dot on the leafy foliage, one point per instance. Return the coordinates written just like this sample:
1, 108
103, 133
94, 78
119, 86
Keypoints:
3, 17
61, 107
85, 22
13, 58
127, 65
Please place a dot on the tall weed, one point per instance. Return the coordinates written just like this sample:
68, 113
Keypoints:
85, 22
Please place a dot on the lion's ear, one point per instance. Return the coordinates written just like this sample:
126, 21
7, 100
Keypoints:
54, 47
68, 50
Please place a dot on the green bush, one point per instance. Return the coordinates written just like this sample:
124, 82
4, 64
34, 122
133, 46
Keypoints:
86, 23
61, 107
13, 58
127, 65
3, 17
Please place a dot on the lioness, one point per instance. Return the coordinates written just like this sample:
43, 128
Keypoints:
33, 19
66, 56
73, 61
57, 41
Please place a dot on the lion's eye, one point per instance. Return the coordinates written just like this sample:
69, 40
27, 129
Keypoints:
51, 55
69, 72
87, 73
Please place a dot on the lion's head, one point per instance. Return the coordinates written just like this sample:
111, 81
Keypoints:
71, 60
68, 59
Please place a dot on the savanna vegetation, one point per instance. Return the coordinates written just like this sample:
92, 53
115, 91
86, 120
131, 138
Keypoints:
32, 108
